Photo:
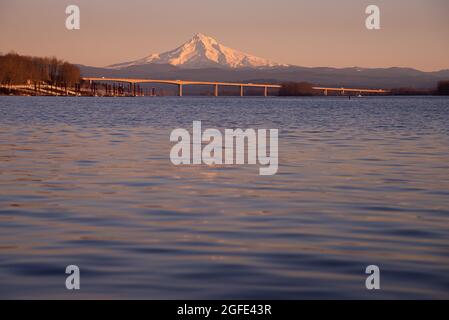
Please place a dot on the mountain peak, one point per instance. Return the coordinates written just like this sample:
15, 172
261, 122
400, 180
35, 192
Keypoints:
203, 37
202, 51
201, 40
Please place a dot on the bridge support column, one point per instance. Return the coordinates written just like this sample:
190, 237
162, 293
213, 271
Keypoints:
241, 91
180, 90
343, 92
325, 92
215, 90
265, 92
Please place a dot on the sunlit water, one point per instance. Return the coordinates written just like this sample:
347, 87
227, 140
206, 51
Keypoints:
88, 181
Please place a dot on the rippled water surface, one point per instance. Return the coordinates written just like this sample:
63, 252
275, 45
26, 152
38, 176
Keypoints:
88, 181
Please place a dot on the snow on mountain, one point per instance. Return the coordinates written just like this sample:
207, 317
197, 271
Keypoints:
202, 52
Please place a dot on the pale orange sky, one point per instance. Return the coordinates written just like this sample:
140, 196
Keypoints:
415, 33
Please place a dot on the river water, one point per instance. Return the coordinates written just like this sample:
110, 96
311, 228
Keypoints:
88, 182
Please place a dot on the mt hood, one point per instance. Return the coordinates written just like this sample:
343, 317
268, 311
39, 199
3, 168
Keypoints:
202, 52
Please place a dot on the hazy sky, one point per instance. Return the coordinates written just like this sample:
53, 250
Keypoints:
415, 33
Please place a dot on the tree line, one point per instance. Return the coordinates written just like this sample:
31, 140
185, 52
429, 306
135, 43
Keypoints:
443, 88
18, 69
297, 89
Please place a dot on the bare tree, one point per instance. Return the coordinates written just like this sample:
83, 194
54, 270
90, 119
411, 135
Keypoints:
16, 69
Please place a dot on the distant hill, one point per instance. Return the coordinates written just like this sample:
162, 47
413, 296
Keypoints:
347, 77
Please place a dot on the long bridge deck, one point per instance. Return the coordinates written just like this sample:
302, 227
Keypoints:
266, 86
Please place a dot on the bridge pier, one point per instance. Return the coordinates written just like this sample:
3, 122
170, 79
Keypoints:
241, 91
180, 90
215, 90
265, 92
325, 92
93, 88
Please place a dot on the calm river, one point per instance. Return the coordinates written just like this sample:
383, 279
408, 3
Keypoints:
89, 182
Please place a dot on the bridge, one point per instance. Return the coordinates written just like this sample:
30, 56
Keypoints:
182, 83
354, 90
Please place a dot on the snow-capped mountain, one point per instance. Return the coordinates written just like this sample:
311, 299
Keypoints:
202, 52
